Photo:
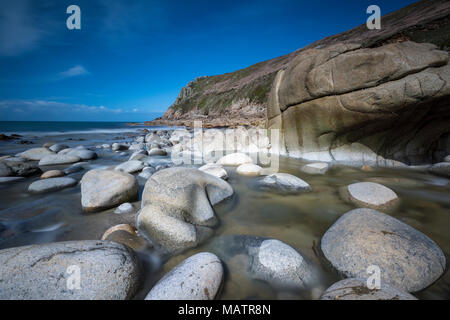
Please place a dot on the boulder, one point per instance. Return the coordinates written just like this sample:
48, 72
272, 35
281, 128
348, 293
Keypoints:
284, 183
316, 168
447, 158
52, 174
215, 169
83, 154
124, 208
56, 159
234, 159
58, 147
5, 171
370, 195
103, 189
281, 265
77, 167
249, 169
36, 153
407, 258
357, 289
177, 208
108, 271
157, 152
22, 167
147, 172
199, 277
51, 184
130, 166
119, 147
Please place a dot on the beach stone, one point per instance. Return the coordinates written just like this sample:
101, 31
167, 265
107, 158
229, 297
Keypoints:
52, 174
135, 155
234, 159
249, 169
57, 147
119, 147
441, 169
157, 152
407, 258
124, 208
56, 159
280, 264
83, 154
199, 277
51, 184
447, 158
103, 189
283, 182
5, 171
177, 208
10, 179
76, 167
357, 289
137, 146
147, 172
109, 271
130, 166
22, 168
370, 195
316, 168
36, 153
215, 169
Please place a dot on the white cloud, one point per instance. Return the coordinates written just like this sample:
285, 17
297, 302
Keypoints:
74, 72
52, 107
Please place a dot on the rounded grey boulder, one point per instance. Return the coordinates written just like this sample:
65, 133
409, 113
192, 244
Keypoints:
107, 270
316, 168
51, 184
283, 182
177, 208
103, 189
279, 264
370, 195
58, 147
56, 159
83, 154
130, 166
361, 238
157, 152
357, 289
197, 278
36, 153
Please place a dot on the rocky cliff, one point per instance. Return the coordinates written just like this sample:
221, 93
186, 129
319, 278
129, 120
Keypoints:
367, 95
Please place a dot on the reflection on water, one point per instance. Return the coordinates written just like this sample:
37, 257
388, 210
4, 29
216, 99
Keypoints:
298, 220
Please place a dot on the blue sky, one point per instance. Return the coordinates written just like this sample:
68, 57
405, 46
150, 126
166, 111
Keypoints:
131, 58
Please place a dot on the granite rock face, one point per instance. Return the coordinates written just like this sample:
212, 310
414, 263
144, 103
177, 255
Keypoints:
348, 103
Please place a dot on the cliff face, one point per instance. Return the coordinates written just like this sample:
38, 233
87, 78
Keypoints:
241, 97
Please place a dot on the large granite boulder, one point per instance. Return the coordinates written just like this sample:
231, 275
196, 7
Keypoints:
51, 184
36, 154
197, 278
361, 238
56, 159
103, 189
343, 102
370, 195
177, 210
107, 270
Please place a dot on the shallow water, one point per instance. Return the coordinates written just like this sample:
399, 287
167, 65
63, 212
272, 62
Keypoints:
298, 220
